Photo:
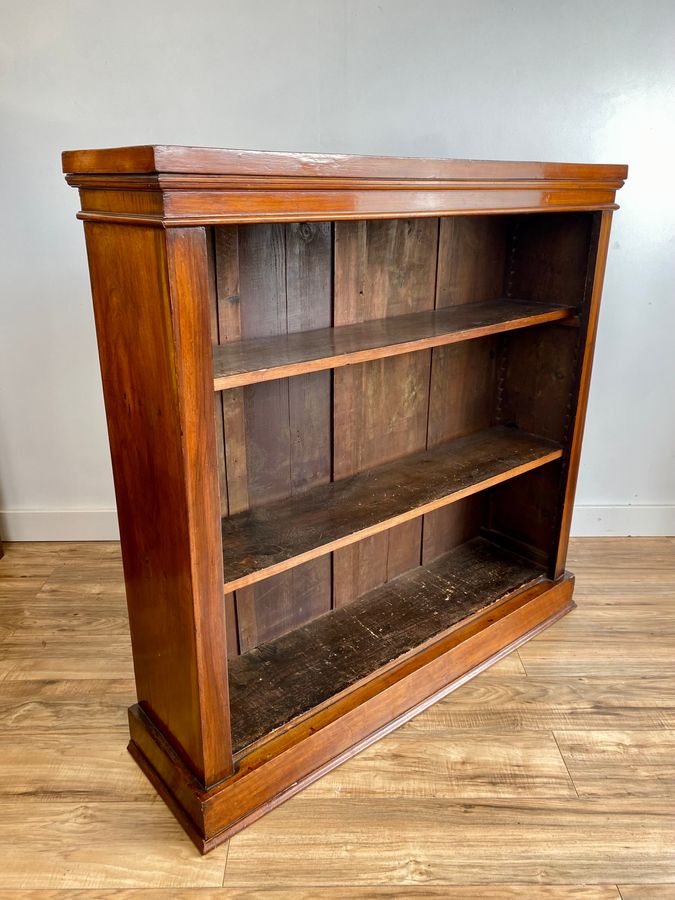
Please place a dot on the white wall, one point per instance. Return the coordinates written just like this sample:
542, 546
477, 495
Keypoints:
531, 79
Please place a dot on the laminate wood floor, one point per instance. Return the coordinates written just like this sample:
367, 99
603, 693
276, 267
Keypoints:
552, 775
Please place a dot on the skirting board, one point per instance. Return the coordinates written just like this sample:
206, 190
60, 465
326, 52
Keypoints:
59, 525
648, 520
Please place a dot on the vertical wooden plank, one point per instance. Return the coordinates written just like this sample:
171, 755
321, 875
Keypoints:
151, 304
278, 433
309, 258
231, 403
215, 339
523, 513
452, 525
471, 268
230, 611
471, 259
462, 389
262, 311
380, 408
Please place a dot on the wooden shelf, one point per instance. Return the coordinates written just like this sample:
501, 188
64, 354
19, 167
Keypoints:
269, 539
264, 359
292, 675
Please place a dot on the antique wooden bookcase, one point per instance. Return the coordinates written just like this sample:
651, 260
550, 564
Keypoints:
396, 354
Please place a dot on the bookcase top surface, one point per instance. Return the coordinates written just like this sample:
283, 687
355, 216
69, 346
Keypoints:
158, 159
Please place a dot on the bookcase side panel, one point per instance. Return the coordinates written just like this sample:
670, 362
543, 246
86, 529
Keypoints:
151, 312
589, 324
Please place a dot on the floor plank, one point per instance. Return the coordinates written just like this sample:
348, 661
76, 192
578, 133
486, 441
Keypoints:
599, 655
69, 706
80, 767
459, 892
501, 703
94, 845
647, 891
456, 764
620, 763
445, 842
33, 657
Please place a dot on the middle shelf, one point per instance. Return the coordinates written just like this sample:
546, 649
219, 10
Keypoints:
238, 363
270, 539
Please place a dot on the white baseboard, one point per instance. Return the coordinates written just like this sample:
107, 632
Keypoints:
636, 521
101, 524
59, 525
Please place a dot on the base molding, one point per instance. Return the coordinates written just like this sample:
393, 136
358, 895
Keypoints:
624, 520
59, 525
277, 770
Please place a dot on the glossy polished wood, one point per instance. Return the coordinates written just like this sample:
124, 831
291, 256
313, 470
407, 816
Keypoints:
153, 159
202, 185
188, 250
154, 352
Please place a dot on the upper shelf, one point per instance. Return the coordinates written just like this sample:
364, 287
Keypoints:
264, 359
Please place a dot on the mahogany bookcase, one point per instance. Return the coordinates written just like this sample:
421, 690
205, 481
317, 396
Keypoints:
345, 400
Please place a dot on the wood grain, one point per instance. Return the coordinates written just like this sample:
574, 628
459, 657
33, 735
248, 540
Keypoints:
150, 293
637, 764
167, 286
51, 772
92, 845
382, 269
211, 160
295, 353
402, 892
530, 841
90, 705
156, 185
274, 537
452, 764
371, 837
274, 281
647, 891
509, 703
470, 271
278, 681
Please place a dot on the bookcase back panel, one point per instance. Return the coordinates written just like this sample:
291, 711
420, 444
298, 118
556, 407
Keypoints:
281, 437
275, 436
382, 269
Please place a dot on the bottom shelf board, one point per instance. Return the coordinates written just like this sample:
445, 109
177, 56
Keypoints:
281, 680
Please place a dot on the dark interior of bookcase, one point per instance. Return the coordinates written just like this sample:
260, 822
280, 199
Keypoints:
370, 506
